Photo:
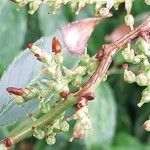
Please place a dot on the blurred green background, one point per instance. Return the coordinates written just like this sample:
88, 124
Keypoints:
122, 132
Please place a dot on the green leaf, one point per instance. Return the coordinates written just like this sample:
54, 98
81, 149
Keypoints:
125, 141
12, 32
50, 22
103, 116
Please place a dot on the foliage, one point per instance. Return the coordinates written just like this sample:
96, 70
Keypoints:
129, 117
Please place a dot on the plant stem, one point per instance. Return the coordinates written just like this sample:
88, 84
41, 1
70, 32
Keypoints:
105, 55
44, 120
108, 51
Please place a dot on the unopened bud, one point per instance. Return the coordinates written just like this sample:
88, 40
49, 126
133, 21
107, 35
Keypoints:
128, 5
145, 97
147, 2
15, 91
77, 82
56, 46
3, 147
82, 102
18, 99
50, 140
45, 108
142, 79
38, 133
146, 125
64, 126
64, 94
89, 96
128, 54
129, 20
141, 46
129, 76
80, 70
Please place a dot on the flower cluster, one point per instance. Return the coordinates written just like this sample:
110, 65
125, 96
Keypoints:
139, 54
101, 6
53, 85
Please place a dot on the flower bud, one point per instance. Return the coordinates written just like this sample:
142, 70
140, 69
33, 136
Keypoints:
104, 78
18, 99
92, 66
77, 82
85, 58
146, 125
56, 46
44, 107
33, 6
145, 97
56, 125
64, 126
147, 2
129, 20
109, 4
142, 79
58, 58
40, 54
80, 70
38, 133
50, 140
145, 64
128, 5
141, 46
3, 147
128, 54
129, 76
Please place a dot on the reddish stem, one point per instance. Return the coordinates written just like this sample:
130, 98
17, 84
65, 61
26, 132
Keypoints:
107, 52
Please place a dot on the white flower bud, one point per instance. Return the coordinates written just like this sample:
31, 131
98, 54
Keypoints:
80, 70
145, 64
58, 58
145, 97
50, 140
146, 125
141, 46
109, 4
45, 108
128, 54
33, 6
3, 147
128, 5
147, 2
129, 76
38, 133
142, 79
85, 59
77, 82
18, 99
129, 20
64, 126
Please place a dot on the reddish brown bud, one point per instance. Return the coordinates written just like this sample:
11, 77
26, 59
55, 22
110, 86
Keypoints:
8, 142
100, 55
38, 57
30, 45
90, 96
56, 46
125, 66
82, 103
64, 94
15, 91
